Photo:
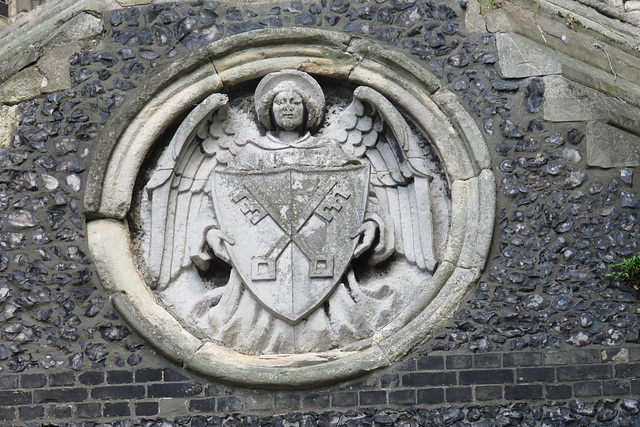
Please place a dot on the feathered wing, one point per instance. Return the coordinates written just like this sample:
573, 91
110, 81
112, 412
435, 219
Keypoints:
180, 208
400, 176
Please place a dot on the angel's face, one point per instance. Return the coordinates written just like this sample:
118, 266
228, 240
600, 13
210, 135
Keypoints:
288, 110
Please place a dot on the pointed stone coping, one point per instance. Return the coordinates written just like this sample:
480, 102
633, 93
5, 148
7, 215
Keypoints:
222, 66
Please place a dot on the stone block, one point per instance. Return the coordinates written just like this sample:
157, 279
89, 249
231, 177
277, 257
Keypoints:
8, 122
531, 375
402, 397
523, 392
562, 391
146, 408
610, 146
588, 372
488, 392
591, 388
488, 376
175, 390
22, 86
430, 395
459, 361
431, 378
83, 26
55, 66
458, 394
520, 57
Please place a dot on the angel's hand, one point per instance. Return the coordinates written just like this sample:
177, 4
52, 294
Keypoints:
367, 232
215, 239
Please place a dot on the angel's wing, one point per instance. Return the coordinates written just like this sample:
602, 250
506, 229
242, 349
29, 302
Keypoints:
180, 208
400, 175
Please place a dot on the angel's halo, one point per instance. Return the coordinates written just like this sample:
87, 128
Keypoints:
307, 86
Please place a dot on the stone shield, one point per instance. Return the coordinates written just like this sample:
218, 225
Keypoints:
294, 231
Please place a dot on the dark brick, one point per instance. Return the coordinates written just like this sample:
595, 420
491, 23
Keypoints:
62, 395
616, 354
229, 404
30, 412
557, 358
370, 381
389, 380
14, 398
286, 400
402, 397
585, 356
405, 365
201, 405
91, 378
88, 410
378, 397
175, 390
522, 359
627, 370
430, 363
344, 398
534, 375
9, 381
459, 361
118, 409
7, 414
146, 408
33, 380
615, 387
634, 354
118, 392
458, 394
488, 376
215, 390
489, 392
591, 388
119, 377
62, 379
487, 360
430, 395
521, 392
171, 375
554, 392
315, 400
148, 375
432, 378
588, 372
635, 386
59, 411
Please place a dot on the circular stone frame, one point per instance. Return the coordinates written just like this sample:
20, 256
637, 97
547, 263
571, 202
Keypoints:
123, 146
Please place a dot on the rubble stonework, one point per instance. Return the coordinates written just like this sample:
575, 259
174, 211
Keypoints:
542, 338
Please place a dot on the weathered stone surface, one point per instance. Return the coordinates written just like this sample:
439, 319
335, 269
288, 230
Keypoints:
609, 146
565, 101
8, 124
24, 85
520, 57
55, 67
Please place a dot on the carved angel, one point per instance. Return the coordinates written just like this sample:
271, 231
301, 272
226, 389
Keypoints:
296, 215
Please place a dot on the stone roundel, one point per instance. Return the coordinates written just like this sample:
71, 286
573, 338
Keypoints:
226, 64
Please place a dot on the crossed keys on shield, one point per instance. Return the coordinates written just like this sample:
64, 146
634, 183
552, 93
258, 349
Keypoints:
326, 202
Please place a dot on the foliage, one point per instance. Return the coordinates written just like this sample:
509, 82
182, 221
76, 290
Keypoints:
571, 21
489, 5
630, 271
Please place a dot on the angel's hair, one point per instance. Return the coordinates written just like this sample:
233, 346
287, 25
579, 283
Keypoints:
312, 111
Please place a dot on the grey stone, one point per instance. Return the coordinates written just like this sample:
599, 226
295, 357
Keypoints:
609, 146
520, 57
27, 84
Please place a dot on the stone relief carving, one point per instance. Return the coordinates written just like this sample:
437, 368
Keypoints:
330, 223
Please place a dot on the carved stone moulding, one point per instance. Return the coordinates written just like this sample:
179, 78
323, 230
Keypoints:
223, 66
